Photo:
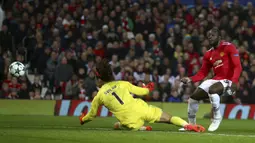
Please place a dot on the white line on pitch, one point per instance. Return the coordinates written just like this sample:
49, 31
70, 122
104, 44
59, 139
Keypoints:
172, 132
193, 133
215, 134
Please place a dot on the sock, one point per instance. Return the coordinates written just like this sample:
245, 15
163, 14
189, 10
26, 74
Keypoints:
178, 121
192, 110
143, 128
215, 101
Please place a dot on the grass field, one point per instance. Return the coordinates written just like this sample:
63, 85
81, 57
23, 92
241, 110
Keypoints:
50, 129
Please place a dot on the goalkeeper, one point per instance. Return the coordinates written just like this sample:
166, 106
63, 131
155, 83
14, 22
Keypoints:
130, 112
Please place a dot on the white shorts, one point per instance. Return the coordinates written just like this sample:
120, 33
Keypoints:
207, 83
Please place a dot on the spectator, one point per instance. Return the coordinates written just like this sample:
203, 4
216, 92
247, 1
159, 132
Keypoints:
5, 39
144, 41
5, 91
50, 69
24, 92
82, 92
14, 86
63, 73
2, 66
40, 59
156, 96
174, 96
244, 92
72, 89
90, 85
35, 87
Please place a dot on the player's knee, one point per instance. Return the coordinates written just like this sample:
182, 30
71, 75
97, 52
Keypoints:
216, 88
212, 90
194, 97
192, 100
199, 94
165, 117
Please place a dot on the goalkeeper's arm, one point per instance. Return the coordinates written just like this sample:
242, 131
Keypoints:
140, 91
93, 110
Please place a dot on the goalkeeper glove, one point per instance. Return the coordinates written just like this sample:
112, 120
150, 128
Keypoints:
150, 86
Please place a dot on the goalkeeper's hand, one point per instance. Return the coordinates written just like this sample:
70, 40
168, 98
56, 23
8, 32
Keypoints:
80, 118
150, 86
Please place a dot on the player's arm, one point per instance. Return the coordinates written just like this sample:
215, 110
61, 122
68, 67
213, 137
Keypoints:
93, 110
234, 57
139, 91
204, 70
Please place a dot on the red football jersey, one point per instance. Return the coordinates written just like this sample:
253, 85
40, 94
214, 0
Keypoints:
225, 62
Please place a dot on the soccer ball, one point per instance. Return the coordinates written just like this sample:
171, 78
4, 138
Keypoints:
17, 69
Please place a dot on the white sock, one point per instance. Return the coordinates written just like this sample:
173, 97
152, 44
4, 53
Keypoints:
215, 101
192, 110
143, 128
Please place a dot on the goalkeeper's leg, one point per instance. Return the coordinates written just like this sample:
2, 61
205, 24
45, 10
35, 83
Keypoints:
166, 118
119, 126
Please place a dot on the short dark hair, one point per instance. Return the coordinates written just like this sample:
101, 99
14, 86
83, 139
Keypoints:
216, 30
104, 71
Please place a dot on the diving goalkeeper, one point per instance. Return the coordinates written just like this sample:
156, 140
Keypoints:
130, 112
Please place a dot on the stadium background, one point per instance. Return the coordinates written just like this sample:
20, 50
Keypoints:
145, 40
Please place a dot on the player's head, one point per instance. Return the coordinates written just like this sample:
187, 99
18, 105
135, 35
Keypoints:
213, 36
104, 71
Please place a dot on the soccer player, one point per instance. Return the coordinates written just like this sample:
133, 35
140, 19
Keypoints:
223, 58
130, 112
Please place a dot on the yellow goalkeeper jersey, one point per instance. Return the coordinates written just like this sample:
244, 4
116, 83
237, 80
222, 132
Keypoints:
116, 97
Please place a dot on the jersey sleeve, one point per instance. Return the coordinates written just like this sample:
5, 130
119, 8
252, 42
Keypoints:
234, 57
93, 110
204, 70
139, 91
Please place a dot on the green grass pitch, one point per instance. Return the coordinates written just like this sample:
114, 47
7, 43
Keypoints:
50, 129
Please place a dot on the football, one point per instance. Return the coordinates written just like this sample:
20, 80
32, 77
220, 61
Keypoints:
17, 69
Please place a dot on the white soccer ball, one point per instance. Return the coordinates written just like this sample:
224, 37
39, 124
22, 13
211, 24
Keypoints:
17, 69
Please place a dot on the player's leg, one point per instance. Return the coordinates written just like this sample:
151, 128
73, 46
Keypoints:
215, 91
154, 114
200, 93
166, 118
193, 105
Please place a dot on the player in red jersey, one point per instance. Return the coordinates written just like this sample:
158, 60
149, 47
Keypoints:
224, 59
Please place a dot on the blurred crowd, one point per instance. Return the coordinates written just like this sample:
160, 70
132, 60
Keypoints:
144, 40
